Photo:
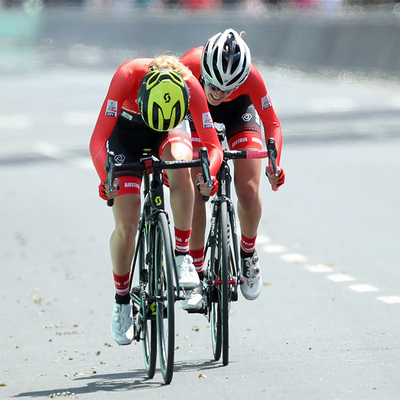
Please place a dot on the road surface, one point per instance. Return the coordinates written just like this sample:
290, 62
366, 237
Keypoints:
326, 324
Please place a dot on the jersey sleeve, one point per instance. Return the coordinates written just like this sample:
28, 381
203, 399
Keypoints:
255, 88
204, 124
121, 87
192, 59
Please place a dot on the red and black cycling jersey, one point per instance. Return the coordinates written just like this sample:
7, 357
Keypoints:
254, 87
123, 94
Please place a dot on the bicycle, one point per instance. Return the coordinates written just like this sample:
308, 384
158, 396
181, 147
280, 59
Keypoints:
153, 299
221, 255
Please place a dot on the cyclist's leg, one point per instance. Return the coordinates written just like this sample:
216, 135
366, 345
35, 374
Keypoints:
245, 134
199, 214
194, 298
126, 211
176, 145
249, 207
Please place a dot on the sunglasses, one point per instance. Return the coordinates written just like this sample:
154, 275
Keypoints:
217, 89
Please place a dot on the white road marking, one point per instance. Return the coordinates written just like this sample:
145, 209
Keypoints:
319, 268
340, 278
363, 288
325, 268
390, 299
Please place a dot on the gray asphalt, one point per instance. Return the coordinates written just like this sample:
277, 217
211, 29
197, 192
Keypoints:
326, 324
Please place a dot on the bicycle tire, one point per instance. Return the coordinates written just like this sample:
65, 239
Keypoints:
216, 331
213, 312
148, 325
224, 257
233, 260
165, 294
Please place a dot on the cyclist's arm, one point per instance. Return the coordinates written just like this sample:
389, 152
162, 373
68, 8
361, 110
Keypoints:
192, 59
204, 124
254, 86
124, 84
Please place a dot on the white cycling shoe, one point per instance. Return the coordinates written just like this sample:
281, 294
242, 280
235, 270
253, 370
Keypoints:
122, 324
251, 273
188, 277
193, 298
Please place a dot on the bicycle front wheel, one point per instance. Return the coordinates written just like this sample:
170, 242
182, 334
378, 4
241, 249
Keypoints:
213, 273
147, 320
224, 262
216, 330
165, 296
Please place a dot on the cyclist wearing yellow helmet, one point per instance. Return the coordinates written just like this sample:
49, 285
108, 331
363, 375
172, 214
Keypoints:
163, 99
145, 108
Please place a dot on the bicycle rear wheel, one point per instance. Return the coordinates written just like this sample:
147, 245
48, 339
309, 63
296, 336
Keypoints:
165, 294
147, 324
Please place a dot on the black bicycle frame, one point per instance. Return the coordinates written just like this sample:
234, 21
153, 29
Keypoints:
224, 194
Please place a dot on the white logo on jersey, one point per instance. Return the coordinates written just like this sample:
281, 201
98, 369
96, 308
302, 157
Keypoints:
119, 158
266, 102
257, 140
112, 108
246, 117
132, 184
126, 115
241, 140
207, 120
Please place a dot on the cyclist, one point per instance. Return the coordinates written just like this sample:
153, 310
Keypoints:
145, 108
238, 98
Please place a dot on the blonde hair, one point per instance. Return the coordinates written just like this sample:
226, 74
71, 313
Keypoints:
170, 62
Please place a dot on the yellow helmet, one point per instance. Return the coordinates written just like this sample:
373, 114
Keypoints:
163, 99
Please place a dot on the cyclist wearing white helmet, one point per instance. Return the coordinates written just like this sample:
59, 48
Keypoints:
145, 108
238, 98
226, 61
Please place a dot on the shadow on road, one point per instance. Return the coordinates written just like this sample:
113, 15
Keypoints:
119, 382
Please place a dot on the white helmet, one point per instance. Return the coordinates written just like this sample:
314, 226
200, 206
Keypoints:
226, 60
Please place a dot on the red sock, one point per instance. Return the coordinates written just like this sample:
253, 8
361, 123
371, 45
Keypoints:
248, 245
182, 239
122, 284
198, 259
